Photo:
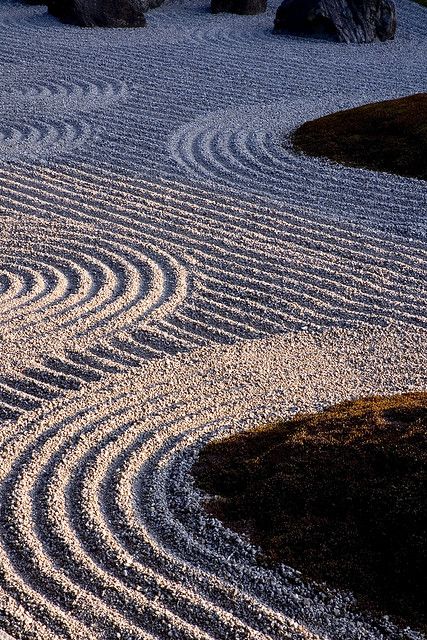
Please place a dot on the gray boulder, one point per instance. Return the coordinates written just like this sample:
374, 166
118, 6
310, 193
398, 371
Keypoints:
242, 7
101, 13
356, 21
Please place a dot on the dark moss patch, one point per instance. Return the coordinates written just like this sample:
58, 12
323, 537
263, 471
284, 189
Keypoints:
386, 136
339, 495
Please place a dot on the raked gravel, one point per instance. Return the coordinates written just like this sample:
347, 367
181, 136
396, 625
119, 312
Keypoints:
170, 271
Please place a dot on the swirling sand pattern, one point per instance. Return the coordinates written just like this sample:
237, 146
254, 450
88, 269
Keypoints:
79, 93
151, 206
43, 137
75, 287
252, 150
102, 534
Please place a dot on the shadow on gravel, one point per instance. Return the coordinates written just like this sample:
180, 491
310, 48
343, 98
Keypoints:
338, 495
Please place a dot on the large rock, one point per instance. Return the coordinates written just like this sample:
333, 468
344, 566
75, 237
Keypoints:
101, 13
242, 7
344, 20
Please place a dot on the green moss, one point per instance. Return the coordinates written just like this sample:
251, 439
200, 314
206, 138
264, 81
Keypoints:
386, 136
338, 495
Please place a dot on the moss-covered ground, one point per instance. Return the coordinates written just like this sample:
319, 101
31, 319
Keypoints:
386, 136
338, 495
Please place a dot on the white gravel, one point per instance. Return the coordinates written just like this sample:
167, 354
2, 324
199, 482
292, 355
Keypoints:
171, 271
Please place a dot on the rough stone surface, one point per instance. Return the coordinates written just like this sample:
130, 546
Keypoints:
356, 21
242, 7
101, 13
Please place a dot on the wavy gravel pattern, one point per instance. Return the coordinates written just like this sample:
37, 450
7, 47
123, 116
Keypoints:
170, 270
251, 150
79, 93
102, 534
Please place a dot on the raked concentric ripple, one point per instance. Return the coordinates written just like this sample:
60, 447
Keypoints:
72, 286
102, 534
78, 93
34, 139
151, 206
149, 269
249, 148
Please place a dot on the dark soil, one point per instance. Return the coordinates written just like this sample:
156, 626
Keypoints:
386, 136
339, 495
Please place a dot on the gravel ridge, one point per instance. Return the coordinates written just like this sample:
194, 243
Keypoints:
170, 270
102, 530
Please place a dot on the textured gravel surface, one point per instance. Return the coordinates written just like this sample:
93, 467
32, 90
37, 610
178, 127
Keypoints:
170, 270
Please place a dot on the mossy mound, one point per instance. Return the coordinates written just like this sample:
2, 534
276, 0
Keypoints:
339, 495
386, 136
